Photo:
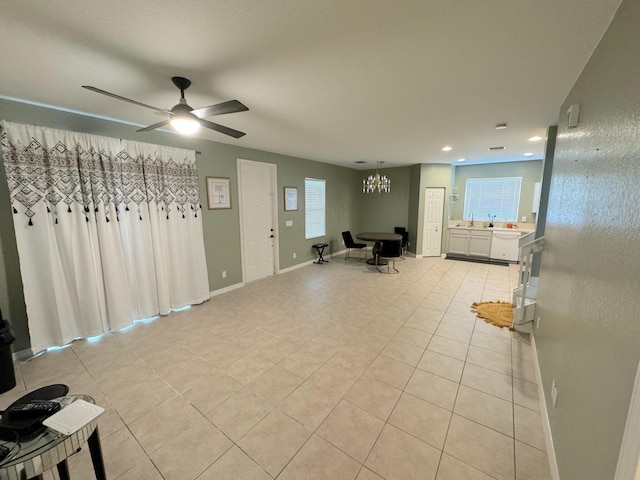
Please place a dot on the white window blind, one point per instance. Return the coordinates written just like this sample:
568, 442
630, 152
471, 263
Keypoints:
486, 197
314, 208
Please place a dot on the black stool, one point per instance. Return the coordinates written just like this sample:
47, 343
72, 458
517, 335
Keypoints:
320, 248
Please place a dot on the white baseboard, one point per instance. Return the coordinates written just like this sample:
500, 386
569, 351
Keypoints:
22, 355
296, 266
230, 288
310, 262
544, 414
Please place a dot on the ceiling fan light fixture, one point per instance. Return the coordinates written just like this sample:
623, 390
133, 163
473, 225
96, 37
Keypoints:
182, 117
185, 123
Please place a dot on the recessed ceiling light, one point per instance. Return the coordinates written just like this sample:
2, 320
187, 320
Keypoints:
447, 149
501, 126
461, 159
535, 139
528, 154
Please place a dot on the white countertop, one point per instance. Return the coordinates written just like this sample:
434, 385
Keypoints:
523, 228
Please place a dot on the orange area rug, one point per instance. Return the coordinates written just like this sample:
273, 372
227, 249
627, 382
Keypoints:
499, 314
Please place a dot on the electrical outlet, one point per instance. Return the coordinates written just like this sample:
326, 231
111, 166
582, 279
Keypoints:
224, 274
538, 322
554, 393
294, 255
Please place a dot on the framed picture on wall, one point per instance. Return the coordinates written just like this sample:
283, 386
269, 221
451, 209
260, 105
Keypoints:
290, 198
218, 193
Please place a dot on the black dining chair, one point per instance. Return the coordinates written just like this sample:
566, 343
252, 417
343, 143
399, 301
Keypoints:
350, 244
391, 251
405, 238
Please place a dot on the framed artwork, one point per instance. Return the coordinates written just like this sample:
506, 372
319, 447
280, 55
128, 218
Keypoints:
290, 198
218, 193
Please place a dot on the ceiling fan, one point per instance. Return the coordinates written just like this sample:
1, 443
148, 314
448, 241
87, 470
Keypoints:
184, 118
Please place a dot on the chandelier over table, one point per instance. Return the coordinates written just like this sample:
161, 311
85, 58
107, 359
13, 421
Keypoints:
376, 183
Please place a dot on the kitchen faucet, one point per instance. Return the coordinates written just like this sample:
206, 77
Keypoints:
471, 224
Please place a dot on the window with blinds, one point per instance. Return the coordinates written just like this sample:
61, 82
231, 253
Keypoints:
314, 208
486, 197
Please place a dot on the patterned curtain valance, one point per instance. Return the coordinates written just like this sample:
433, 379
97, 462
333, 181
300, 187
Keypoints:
63, 171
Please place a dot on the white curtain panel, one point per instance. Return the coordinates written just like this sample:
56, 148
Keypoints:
108, 231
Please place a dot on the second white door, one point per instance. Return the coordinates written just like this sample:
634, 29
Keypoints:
433, 215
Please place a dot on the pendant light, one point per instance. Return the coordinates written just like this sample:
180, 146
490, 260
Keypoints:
376, 183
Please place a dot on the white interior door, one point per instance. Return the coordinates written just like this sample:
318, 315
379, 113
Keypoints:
257, 218
433, 215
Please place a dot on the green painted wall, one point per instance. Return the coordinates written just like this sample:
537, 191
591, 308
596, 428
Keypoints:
11, 296
530, 171
588, 302
381, 212
414, 206
343, 207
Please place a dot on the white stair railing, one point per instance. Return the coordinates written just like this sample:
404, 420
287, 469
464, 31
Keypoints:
528, 247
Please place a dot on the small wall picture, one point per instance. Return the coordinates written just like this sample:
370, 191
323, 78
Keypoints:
290, 198
218, 193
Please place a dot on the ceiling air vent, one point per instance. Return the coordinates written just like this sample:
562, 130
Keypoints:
494, 149
361, 161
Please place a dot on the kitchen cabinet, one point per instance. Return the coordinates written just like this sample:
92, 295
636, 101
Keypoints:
469, 242
480, 243
458, 242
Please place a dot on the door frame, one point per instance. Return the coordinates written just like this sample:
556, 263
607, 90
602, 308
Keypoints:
274, 208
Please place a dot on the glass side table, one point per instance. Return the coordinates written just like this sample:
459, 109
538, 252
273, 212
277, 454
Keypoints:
52, 449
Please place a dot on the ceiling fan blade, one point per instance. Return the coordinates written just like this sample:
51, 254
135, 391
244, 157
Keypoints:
222, 129
109, 94
154, 126
232, 106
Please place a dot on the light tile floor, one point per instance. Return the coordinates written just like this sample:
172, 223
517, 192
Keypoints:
328, 372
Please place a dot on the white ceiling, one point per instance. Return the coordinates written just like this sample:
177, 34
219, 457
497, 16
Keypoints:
329, 80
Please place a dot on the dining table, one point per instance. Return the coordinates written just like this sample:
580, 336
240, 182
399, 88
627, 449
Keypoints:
377, 238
